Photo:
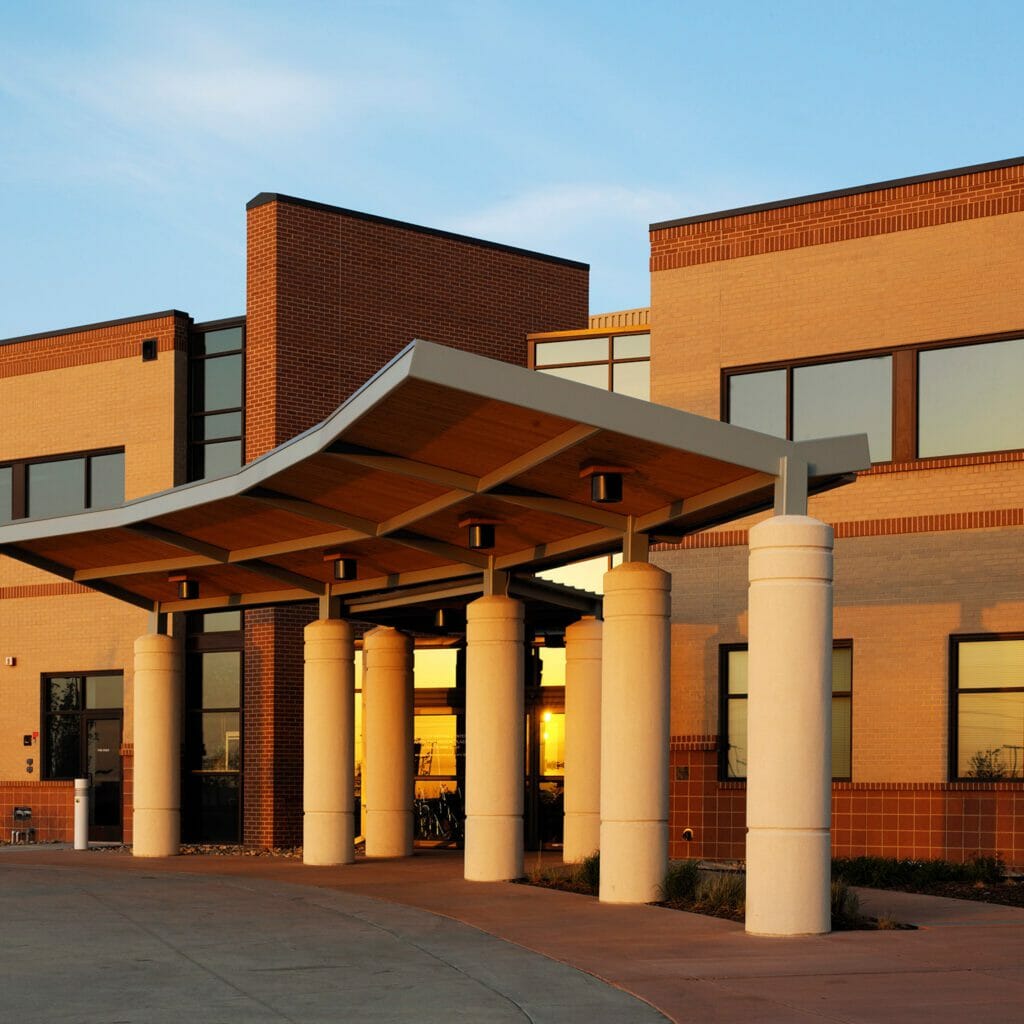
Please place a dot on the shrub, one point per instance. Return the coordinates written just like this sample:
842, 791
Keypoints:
845, 906
892, 873
721, 893
680, 881
587, 874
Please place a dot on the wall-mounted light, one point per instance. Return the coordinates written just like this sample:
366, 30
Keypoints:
442, 618
344, 569
605, 482
188, 588
479, 532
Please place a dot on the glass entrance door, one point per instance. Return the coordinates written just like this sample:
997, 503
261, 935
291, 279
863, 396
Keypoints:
103, 767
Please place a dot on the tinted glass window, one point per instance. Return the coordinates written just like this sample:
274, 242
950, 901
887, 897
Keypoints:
632, 346
222, 622
106, 487
633, 379
758, 401
56, 488
218, 384
595, 376
222, 676
853, 397
209, 428
969, 399
227, 340
434, 667
64, 694
63, 746
214, 460
6, 493
104, 691
580, 350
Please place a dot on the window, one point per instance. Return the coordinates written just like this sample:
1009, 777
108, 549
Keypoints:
987, 707
82, 739
819, 400
969, 398
914, 402
216, 400
61, 485
619, 363
733, 711
213, 728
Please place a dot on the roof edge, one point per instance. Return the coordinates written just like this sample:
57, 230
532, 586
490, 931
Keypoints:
84, 328
817, 197
263, 198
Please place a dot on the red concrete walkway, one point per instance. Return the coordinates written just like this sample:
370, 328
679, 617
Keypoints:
964, 963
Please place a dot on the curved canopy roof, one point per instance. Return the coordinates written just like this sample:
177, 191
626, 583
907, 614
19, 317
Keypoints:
437, 437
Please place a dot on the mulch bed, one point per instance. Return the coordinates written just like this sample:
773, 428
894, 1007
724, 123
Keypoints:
1009, 893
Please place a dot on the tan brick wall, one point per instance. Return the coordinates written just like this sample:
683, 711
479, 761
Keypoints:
951, 281
78, 392
897, 598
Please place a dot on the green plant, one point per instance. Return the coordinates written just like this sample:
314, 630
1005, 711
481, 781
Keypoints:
893, 873
845, 906
721, 893
987, 764
587, 873
680, 881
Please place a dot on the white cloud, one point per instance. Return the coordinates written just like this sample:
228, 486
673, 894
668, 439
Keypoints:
556, 215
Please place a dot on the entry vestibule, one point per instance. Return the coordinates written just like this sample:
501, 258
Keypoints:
400, 481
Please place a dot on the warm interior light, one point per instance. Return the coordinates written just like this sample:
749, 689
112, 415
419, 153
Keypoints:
188, 588
481, 536
606, 488
546, 716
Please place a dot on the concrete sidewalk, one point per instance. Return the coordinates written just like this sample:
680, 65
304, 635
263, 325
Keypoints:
965, 963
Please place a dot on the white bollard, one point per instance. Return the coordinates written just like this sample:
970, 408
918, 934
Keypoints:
81, 814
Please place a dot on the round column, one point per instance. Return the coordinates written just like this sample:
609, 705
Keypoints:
156, 820
634, 733
582, 740
494, 739
387, 743
328, 777
789, 785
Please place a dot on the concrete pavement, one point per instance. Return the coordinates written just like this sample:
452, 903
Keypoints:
965, 963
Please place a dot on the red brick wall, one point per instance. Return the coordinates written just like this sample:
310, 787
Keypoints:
901, 208
332, 296
272, 772
952, 821
53, 808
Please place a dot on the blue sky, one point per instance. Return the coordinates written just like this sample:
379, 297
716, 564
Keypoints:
134, 133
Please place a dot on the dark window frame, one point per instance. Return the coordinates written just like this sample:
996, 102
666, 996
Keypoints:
196, 436
955, 639
19, 476
724, 650
905, 388
82, 714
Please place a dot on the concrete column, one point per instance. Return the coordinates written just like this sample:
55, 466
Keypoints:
582, 740
387, 743
157, 742
494, 739
789, 785
634, 733
328, 776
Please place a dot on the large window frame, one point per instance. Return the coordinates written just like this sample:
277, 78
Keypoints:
905, 390
610, 360
20, 496
197, 358
955, 690
724, 699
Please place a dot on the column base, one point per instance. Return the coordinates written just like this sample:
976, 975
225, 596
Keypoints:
582, 836
634, 860
494, 848
388, 833
156, 833
328, 838
789, 881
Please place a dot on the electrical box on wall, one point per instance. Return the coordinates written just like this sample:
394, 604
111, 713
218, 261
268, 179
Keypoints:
10, 661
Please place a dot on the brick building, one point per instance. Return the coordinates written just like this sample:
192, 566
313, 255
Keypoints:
891, 309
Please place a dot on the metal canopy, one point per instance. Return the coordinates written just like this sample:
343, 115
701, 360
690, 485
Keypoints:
436, 437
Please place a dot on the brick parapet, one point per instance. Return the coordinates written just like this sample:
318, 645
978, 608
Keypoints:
906, 207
